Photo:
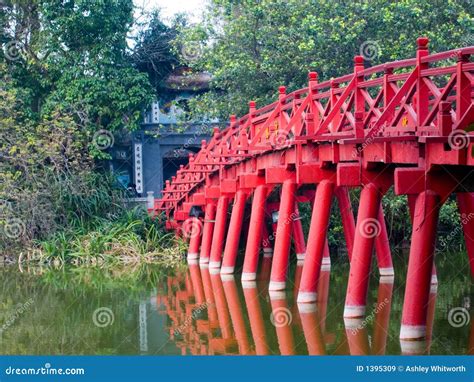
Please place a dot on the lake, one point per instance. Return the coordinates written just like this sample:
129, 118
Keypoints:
157, 311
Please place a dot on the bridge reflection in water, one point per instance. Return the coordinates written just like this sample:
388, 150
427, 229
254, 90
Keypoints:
213, 314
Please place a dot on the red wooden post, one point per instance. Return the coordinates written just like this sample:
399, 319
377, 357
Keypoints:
422, 94
195, 239
255, 233
316, 241
382, 247
219, 232
207, 232
233, 235
283, 236
420, 265
356, 297
298, 236
347, 217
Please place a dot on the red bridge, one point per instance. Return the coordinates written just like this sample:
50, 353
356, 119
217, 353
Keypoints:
406, 124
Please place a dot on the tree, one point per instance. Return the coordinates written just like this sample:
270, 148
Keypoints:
71, 56
254, 47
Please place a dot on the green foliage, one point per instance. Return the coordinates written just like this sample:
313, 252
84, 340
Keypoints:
254, 47
74, 61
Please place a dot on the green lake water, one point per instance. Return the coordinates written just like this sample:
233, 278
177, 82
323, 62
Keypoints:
155, 311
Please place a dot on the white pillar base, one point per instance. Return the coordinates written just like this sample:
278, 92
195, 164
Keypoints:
300, 256
247, 276
386, 272
277, 285
192, 256
227, 270
434, 279
249, 284
277, 294
307, 308
326, 260
413, 347
412, 332
227, 277
193, 261
214, 264
307, 297
204, 260
214, 271
354, 311
386, 279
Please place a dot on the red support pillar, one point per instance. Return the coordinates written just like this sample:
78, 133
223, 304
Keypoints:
195, 239
382, 247
283, 236
420, 265
347, 217
316, 241
298, 236
466, 209
266, 242
219, 232
208, 229
233, 235
255, 234
326, 262
366, 230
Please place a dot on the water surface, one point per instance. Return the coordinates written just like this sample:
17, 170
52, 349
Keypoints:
156, 311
